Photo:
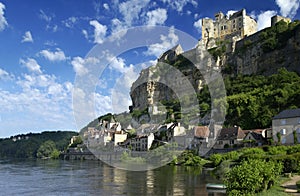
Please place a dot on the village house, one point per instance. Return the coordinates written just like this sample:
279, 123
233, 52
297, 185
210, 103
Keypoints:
255, 137
229, 137
201, 134
286, 126
138, 143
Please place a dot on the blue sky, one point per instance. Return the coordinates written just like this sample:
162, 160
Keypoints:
43, 45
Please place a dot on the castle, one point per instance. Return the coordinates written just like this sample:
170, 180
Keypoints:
238, 25
233, 28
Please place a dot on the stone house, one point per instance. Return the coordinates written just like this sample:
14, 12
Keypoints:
119, 136
284, 124
255, 137
230, 137
139, 143
201, 134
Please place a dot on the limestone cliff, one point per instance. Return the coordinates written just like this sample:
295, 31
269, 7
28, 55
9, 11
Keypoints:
261, 53
267, 51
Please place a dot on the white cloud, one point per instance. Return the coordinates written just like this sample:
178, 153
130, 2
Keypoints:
27, 37
57, 55
45, 17
156, 17
196, 16
178, 5
106, 6
31, 65
264, 19
167, 42
70, 22
50, 43
230, 12
103, 104
4, 75
288, 8
99, 31
198, 25
116, 63
81, 65
42, 103
3, 21
131, 10
119, 29
85, 33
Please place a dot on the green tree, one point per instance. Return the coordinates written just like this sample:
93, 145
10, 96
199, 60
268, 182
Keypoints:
251, 177
46, 149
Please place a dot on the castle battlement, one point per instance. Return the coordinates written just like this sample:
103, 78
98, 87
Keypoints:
237, 26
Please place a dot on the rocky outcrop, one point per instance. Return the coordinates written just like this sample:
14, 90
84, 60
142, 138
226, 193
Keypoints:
188, 71
250, 58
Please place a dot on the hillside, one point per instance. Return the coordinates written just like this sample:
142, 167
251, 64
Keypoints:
261, 78
27, 145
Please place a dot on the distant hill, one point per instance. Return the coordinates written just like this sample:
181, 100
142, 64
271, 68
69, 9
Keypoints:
27, 145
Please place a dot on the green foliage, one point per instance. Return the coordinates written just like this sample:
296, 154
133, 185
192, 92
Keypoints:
254, 100
46, 149
27, 145
295, 137
251, 177
76, 142
278, 135
55, 154
127, 158
188, 158
218, 51
277, 150
276, 36
139, 113
216, 159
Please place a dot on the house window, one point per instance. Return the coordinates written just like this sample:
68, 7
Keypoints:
283, 131
298, 130
283, 122
220, 142
299, 121
231, 141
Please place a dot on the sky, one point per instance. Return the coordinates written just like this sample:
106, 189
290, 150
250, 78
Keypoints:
44, 47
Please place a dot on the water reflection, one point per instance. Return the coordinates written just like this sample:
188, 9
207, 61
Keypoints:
96, 178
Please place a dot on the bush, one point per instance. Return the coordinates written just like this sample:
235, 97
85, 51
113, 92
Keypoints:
216, 159
251, 177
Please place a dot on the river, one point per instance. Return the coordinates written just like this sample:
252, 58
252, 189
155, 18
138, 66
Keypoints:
59, 177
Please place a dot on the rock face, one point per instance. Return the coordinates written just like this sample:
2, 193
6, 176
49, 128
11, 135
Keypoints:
196, 67
173, 80
250, 58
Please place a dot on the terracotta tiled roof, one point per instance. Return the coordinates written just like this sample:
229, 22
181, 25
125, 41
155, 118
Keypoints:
201, 131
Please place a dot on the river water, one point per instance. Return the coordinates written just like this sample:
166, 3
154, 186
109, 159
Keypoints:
58, 177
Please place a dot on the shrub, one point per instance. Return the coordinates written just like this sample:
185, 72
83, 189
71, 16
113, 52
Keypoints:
251, 177
216, 159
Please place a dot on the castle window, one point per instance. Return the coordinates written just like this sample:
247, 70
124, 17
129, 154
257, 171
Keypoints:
234, 26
